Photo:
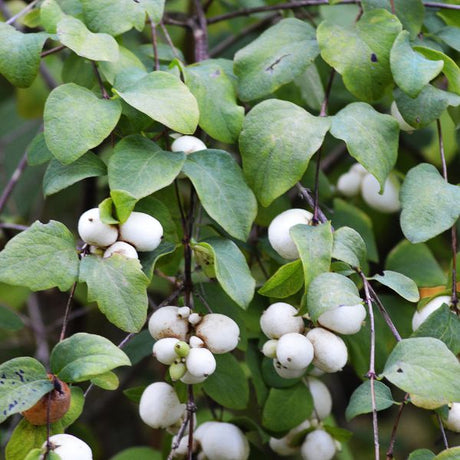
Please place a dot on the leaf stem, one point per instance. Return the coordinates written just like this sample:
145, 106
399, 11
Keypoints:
105, 95
443, 431
56, 49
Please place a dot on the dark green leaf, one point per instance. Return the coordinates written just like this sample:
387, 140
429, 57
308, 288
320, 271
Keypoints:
421, 454
286, 281
37, 151
9, 320
138, 453
123, 203
401, 284
149, 259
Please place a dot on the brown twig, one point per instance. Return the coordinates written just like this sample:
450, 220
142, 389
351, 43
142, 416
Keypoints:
395, 429
8, 190
52, 51
29, 7
200, 33
67, 312
169, 40
305, 194
153, 28
104, 93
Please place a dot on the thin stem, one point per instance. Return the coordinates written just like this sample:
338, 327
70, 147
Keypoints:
324, 105
393, 9
443, 432
18, 227
191, 409
305, 194
168, 40
29, 7
395, 428
52, 51
200, 33
179, 436
105, 95
445, 6
156, 59
441, 150
8, 190
67, 312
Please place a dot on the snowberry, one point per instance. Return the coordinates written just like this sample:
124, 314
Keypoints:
164, 350
143, 231
292, 434
190, 379
282, 447
349, 183
177, 370
188, 144
279, 318
194, 318
93, 231
122, 248
159, 406
222, 441
421, 315
219, 333
165, 322
359, 169
294, 351
184, 312
195, 342
322, 400
453, 419
200, 362
278, 231
346, 319
330, 351
269, 348
386, 202
182, 349
286, 373
403, 125
318, 445
69, 447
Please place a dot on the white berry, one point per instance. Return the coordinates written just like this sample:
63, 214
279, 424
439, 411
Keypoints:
330, 351
190, 379
318, 445
194, 318
93, 231
388, 201
219, 333
222, 441
349, 184
281, 447
278, 231
269, 348
159, 406
164, 350
188, 144
286, 373
359, 169
122, 248
346, 319
195, 342
453, 419
421, 315
165, 322
69, 447
294, 351
143, 231
322, 400
280, 318
200, 362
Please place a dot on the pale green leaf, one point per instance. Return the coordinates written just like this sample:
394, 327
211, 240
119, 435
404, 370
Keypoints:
361, 54
224, 194
107, 381
453, 453
276, 143
140, 167
401, 284
58, 176
286, 281
20, 55
71, 133
123, 203
23, 381
126, 60
149, 259
154, 8
164, 98
118, 285
220, 115
361, 400
411, 71
349, 247
425, 368
50, 14
96, 47
421, 454
430, 205
41, 257
371, 137
275, 58
451, 36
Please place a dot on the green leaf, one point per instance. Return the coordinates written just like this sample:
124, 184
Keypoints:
361, 54
232, 270
452, 453
451, 36
220, 115
139, 346
149, 259
106, 381
37, 151
442, 324
126, 60
77, 402
154, 8
411, 71
23, 382
371, 137
96, 47
71, 133
329, 291
113, 17
287, 407
417, 262
224, 194
123, 203
50, 14
349, 247
450, 69
9, 320
118, 285
139, 453
20, 55
401, 284
286, 281
361, 400
140, 167
276, 143
421, 454
25, 256
84, 356
164, 98
425, 368
58, 176
228, 385
275, 58
315, 248
429, 204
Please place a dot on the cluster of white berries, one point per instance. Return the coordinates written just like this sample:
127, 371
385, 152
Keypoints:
357, 180
141, 232
187, 341
68, 447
